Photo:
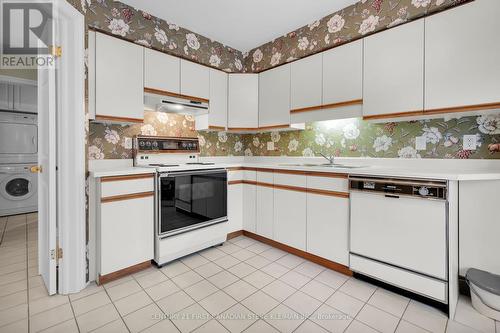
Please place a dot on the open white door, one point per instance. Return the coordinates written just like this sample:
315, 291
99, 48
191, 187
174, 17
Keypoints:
61, 157
47, 199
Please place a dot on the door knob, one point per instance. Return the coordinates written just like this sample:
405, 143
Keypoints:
36, 169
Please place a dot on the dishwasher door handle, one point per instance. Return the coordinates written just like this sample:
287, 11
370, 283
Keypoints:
392, 196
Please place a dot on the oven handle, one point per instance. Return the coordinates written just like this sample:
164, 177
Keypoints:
188, 173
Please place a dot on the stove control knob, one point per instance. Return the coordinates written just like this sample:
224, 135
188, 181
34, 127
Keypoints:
148, 143
423, 191
155, 144
141, 143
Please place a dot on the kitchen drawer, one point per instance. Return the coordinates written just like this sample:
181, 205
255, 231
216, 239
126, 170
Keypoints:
290, 179
265, 177
416, 283
328, 183
250, 175
233, 175
121, 185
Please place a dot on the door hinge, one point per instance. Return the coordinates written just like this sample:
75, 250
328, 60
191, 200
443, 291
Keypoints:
56, 253
56, 51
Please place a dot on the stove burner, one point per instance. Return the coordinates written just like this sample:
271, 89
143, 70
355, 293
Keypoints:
164, 165
200, 163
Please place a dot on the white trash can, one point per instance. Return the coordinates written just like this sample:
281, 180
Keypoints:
485, 292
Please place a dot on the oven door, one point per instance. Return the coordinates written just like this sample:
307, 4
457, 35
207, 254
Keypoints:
191, 200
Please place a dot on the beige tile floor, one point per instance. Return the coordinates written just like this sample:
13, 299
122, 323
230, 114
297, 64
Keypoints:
241, 286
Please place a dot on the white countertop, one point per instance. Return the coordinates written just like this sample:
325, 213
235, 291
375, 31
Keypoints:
388, 171
447, 170
120, 171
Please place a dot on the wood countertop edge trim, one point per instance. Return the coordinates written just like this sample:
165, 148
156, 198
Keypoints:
293, 172
338, 194
130, 196
300, 253
107, 179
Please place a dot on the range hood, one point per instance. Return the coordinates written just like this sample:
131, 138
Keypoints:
171, 104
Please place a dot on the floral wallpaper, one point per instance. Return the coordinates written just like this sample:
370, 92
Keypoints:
107, 141
353, 22
348, 138
358, 138
145, 29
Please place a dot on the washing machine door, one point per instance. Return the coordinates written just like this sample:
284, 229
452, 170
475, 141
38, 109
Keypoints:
18, 185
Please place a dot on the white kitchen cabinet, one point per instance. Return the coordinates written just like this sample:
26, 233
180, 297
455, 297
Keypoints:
264, 216
235, 207
243, 101
290, 218
217, 116
306, 82
124, 216
343, 73
119, 81
274, 97
161, 71
6, 96
249, 207
126, 233
393, 75
25, 97
195, 79
461, 59
327, 227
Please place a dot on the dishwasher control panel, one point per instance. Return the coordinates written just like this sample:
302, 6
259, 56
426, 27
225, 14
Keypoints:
400, 187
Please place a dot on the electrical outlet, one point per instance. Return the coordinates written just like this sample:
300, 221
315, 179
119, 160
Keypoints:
469, 142
421, 143
127, 143
270, 145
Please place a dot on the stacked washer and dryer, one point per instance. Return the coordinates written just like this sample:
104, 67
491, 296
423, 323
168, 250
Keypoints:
18, 154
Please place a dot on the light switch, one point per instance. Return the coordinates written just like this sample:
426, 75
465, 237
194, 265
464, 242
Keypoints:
421, 143
270, 145
469, 142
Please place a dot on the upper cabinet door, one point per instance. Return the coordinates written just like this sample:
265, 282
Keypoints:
343, 74
119, 79
161, 71
462, 53
274, 97
306, 82
195, 80
394, 71
217, 116
243, 101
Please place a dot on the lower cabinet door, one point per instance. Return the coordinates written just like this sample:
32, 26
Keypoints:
290, 218
264, 209
327, 227
249, 207
234, 207
126, 235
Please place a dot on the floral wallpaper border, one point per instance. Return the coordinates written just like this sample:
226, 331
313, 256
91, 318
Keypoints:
142, 28
356, 21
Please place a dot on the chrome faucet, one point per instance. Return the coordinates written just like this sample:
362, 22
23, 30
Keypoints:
331, 159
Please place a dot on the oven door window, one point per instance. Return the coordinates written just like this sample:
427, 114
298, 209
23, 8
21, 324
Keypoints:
191, 200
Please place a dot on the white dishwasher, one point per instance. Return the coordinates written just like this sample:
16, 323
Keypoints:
399, 233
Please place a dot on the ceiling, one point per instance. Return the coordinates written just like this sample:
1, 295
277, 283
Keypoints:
240, 24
